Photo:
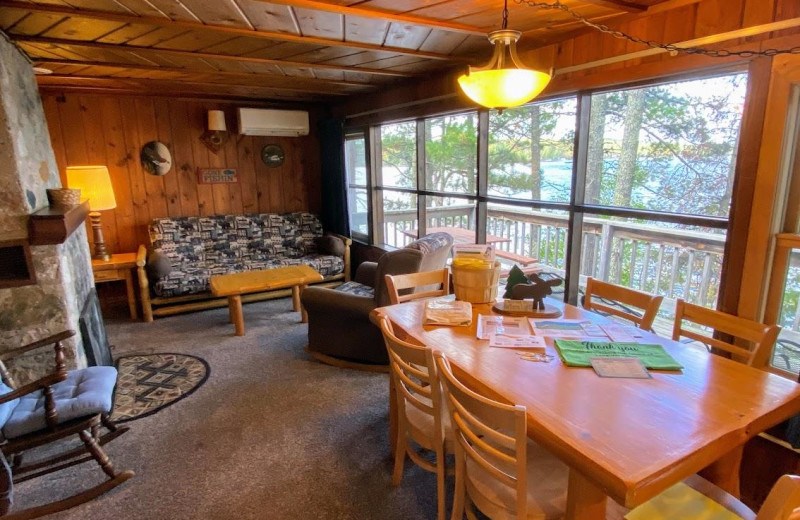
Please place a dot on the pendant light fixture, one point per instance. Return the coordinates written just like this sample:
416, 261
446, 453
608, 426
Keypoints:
504, 82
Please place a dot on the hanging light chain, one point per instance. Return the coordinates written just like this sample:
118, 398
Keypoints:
669, 47
505, 14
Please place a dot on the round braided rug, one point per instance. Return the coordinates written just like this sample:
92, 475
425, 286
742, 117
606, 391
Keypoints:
148, 383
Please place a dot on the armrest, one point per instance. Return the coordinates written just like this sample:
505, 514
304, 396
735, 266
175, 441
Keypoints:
50, 340
43, 383
344, 305
347, 243
365, 274
141, 256
40, 384
144, 283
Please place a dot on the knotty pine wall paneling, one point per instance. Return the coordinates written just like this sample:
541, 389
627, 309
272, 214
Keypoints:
111, 130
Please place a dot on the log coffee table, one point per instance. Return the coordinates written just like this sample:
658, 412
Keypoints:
235, 285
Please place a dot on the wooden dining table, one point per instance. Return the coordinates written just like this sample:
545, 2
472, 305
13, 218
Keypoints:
627, 439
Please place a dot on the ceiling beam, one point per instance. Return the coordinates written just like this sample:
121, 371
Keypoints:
394, 17
183, 93
221, 29
277, 101
221, 73
188, 54
620, 5
614, 21
68, 79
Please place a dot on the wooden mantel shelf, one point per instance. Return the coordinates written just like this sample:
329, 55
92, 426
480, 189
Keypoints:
51, 225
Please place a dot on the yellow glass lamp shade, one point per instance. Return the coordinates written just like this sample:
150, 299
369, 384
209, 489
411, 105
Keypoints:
503, 88
95, 185
503, 82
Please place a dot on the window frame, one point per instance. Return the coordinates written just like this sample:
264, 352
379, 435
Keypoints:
354, 134
576, 208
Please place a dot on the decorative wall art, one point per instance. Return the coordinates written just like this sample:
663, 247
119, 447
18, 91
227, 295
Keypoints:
156, 159
217, 175
272, 155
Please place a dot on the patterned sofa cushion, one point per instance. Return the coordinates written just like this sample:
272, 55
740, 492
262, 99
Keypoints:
200, 247
179, 239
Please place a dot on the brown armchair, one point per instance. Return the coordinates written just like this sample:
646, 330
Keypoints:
339, 329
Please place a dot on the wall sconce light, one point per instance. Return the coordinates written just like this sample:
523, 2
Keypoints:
217, 135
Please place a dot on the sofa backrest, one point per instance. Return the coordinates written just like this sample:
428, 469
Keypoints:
223, 239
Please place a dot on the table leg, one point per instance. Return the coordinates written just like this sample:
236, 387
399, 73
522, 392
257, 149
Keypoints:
296, 298
585, 501
303, 313
131, 294
235, 308
725, 471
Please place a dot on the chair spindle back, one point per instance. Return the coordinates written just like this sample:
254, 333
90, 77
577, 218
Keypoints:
597, 290
760, 337
490, 434
413, 286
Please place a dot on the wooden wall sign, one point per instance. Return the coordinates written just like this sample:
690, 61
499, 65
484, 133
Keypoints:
216, 175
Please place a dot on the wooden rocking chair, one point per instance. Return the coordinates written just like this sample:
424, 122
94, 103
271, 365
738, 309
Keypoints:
57, 405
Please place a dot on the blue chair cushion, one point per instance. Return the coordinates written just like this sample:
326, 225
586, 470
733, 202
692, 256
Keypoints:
6, 408
359, 289
84, 393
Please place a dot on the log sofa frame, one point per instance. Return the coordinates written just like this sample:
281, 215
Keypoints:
169, 305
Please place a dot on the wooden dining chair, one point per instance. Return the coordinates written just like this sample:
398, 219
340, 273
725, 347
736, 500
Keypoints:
413, 286
760, 337
697, 498
420, 413
616, 300
498, 470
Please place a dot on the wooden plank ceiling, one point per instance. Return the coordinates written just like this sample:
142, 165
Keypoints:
297, 50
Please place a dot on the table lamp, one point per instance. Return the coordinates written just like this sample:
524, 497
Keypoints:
95, 185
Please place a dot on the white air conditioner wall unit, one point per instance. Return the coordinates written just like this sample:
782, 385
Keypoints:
258, 121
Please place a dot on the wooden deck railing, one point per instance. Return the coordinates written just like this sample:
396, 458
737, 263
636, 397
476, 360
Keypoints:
676, 263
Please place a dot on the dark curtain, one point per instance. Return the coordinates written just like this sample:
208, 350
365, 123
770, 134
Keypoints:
334, 178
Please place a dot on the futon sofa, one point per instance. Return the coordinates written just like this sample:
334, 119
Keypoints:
185, 252
339, 329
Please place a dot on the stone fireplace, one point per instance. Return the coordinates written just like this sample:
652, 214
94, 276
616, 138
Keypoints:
63, 274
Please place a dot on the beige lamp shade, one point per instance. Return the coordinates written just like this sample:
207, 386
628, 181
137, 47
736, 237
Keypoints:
95, 185
216, 121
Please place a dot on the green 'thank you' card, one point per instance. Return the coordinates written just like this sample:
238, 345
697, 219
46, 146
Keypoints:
577, 353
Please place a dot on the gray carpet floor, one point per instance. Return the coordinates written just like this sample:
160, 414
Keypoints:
273, 434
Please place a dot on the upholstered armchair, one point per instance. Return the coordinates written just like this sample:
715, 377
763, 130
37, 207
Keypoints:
339, 330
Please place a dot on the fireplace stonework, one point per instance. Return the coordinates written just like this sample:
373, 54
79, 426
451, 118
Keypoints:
63, 272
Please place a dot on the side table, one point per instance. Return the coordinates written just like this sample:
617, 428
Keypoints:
120, 267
